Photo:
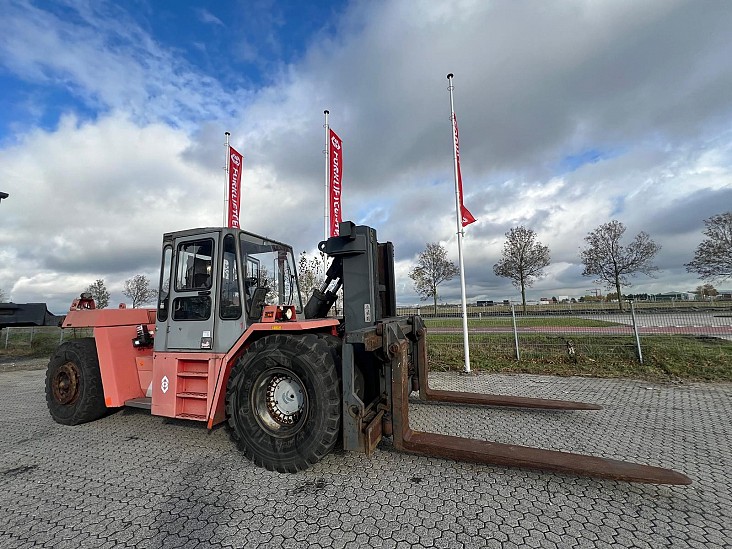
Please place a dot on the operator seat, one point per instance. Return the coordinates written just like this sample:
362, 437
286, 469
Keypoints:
201, 273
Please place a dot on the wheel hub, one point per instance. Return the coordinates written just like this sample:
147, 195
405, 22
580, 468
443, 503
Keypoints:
285, 399
65, 384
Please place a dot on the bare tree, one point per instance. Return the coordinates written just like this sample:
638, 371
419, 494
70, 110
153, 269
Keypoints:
99, 292
270, 282
713, 257
611, 262
139, 291
2, 296
310, 274
704, 291
433, 268
523, 259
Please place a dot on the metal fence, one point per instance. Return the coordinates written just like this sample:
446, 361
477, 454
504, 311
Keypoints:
38, 337
577, 332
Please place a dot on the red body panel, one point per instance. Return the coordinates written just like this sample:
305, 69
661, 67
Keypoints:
145, 373
118, 363
183, 384
126, 370
96, 318
186, 385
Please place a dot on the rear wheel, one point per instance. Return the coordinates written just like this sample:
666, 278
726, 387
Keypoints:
283, 402
74, 392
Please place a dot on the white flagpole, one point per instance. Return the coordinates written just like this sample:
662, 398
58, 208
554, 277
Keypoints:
226, 183
326, 215
460, 231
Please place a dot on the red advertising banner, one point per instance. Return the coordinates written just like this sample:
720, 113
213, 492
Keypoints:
235, 166
465, 216
335, 171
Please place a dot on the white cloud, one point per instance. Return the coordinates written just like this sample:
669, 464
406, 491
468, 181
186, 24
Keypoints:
643, 84
207, 17
92, 200
101, 55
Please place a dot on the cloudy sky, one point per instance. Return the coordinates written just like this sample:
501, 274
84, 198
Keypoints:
572, 113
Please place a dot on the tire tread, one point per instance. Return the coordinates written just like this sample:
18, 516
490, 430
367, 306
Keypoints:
90, 405
308, 347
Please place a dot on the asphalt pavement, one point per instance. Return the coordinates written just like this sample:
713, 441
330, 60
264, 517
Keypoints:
133, 480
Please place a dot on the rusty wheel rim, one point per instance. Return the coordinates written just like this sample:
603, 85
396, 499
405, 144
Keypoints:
65, 384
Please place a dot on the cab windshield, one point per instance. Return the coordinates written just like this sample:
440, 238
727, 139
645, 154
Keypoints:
269, 265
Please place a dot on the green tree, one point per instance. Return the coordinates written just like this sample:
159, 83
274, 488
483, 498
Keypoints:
99, 292
523, 261
139, 291
432, 269
612, 263
713, 256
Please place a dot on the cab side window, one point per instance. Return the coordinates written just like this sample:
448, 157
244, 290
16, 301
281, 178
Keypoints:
195, 265
230, 297
165, 284
193, 273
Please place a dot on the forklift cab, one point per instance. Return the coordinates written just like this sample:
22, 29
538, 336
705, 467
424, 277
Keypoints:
215, 283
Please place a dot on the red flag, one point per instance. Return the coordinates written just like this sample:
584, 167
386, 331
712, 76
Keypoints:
235, 166
336, 172
465, 216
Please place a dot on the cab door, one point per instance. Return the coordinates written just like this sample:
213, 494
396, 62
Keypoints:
192, 291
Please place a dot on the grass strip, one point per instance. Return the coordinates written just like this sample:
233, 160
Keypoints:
665, 358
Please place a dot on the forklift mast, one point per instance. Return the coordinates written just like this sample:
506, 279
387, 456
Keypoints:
365, 269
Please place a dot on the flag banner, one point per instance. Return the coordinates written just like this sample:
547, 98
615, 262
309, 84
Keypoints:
235, 165
465, 216
335, 175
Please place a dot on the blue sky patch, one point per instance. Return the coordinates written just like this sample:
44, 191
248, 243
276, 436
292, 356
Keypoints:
573, 162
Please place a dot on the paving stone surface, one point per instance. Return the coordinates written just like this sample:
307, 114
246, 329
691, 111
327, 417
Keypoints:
133, 480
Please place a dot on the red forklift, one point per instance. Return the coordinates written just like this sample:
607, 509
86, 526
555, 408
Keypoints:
230, 341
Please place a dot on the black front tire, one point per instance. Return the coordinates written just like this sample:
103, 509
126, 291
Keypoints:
283, 402
74, 392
